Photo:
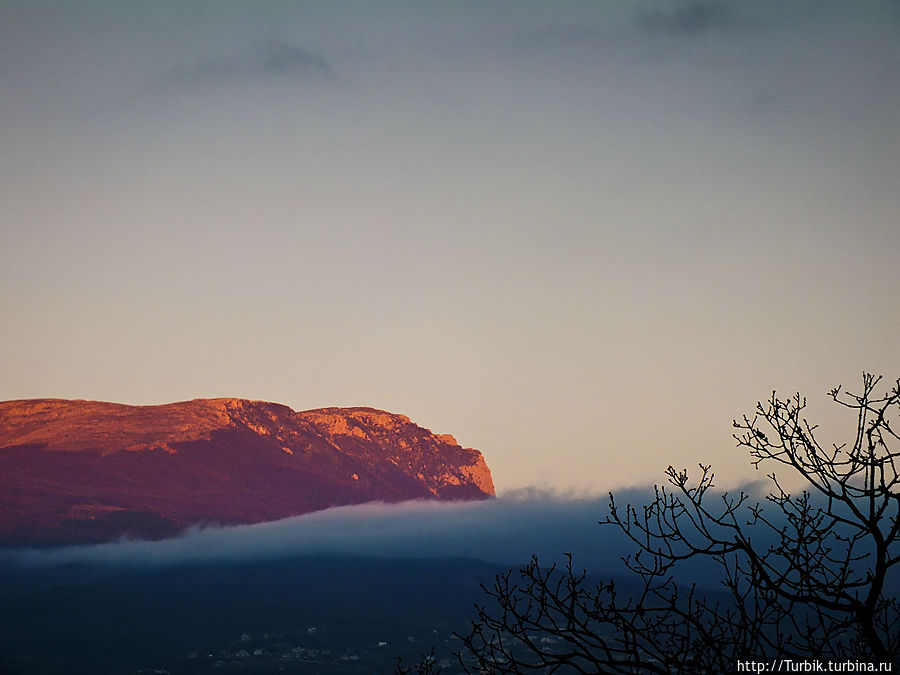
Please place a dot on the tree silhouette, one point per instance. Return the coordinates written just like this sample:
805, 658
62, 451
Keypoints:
804, 576
427, 665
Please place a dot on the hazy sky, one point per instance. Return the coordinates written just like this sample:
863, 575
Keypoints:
580, 236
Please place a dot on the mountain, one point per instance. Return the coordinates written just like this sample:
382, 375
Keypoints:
88, 471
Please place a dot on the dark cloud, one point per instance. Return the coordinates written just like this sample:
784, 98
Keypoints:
691, 18
264, 59
286, 58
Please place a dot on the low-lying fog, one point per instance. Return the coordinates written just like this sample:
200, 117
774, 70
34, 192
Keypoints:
507, 531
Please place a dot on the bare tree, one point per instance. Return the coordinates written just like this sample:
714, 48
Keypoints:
804, 576
427, 665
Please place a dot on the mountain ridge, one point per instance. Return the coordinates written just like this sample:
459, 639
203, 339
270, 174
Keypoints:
74, 471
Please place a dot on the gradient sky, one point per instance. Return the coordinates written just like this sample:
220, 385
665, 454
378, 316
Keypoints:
581, 237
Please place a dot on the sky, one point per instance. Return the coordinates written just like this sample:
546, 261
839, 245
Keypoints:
581, 237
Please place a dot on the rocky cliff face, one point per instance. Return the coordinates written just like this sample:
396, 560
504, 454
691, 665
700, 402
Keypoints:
81, 471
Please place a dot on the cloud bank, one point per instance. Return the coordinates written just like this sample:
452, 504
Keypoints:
506, 530
264, 59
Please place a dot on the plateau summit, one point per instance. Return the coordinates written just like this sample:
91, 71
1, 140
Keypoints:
75, 471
